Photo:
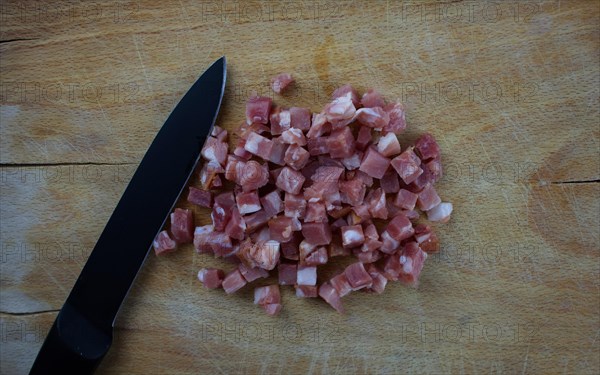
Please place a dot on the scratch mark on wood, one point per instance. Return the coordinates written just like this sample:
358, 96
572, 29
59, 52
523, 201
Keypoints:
526, 359
137, 50
29, 313
33, 165
576, 182
16, 40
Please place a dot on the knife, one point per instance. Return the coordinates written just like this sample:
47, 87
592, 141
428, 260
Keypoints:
82, 332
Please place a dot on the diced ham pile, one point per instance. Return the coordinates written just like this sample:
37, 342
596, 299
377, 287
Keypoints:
307, 187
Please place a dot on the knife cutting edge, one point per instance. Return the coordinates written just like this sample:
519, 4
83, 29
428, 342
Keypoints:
82, 332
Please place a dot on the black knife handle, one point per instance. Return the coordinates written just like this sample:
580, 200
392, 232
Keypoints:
73, 346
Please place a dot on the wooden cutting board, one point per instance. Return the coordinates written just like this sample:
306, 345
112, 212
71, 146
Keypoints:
511, 91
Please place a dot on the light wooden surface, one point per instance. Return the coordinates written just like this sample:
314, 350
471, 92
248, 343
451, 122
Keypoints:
510, 90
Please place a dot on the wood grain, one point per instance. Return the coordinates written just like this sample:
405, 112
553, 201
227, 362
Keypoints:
510, 90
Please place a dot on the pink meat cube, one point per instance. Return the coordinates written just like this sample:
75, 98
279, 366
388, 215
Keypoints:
248, 202
182, 226
258, 145
317, 257
412, 259
233, 282
428, 198
252, 273
212, 278
434, 169
412, 215
423, 180
357, 276
331, 296
305, 249
202, 198
289, 250
277, 154
389, 182
377, 204
440, 213
306, 291
290, 181
253, 175
296, 157
256, 220
257, 110
340, 111
257, 128
367, 256
388, 244
374, 164
215, 150
400, 228
300, 118
431, 244
240, 151
272, 309
352, 192
287, 273
265, 254
327, 161
405, 199
370, 246
393, 210
341, 285
422, 232
266, 295
397, 122
209, 175
236, 226
281, 81
388, 145
427, 147
347, 90
221, 212
353, 162
407, 164
306, 275
317, 233
341, 143
363, 138
163, 243
336, 249
352, 236
317, 146
319, 126
281, 229
379, 280
234, 168
361, 212
370, 230
294, 205
327, 174
219, 133
202, 237
293, 136
374, 117
272, 203
392, 267
372, 98
280, 120
315, 212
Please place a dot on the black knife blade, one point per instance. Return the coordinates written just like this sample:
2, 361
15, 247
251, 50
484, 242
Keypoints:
82, 332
